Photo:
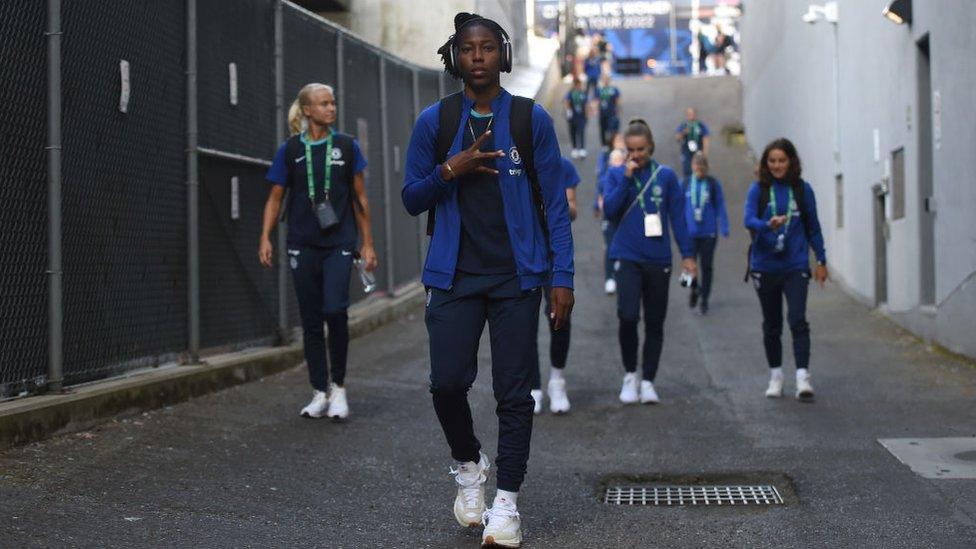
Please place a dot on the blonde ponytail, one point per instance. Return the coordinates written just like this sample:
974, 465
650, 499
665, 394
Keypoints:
297, 122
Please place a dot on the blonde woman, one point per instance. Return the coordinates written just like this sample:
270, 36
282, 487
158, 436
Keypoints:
328, 211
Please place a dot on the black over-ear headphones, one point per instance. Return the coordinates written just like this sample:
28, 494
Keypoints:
506, 46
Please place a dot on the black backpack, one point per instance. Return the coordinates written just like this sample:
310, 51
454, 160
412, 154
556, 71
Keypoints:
520, 127
799, 194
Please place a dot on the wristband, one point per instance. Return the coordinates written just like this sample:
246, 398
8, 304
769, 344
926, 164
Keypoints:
450, 169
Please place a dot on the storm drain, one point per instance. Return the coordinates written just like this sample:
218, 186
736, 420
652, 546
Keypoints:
693, 495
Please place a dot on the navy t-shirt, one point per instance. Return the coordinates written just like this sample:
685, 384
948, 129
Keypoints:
288, 170
485, 247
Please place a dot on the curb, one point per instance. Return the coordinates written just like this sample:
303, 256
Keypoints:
37, 417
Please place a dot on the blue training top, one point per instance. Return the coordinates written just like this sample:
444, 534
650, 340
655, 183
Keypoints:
570, 177
795, 255
714, 217
288, 170
424, 188
629, 241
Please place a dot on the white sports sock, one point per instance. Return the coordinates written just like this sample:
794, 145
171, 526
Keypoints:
776, 373
555, 373
802, 372
506, 499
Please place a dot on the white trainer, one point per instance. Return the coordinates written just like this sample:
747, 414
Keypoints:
537, 397
775, 389
610, 286
574, 154
503, 527
316, 408
558, 401
469, 504
582, 153
629, 390
804, 390
647, 393
338, 407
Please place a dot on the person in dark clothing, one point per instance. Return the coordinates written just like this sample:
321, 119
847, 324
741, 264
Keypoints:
781, 213
693, 136
608, 99
706, 217
323, 173
644, 196
491, 252
575, 104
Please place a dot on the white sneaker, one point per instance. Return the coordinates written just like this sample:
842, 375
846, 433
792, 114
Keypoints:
574, 154
628, 392
582, 153
647, 393
775, 389
610, 286
537, 397
338, 407
804, 390
503, 527
316, 408
558, 401
469, 504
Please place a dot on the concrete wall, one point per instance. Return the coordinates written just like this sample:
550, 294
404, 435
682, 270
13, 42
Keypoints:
789, 90
415, 29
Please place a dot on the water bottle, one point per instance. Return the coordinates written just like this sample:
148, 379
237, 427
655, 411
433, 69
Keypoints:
366, 277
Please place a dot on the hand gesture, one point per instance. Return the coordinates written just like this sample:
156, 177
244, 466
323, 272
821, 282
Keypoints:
471, 160
777, 221
631, 165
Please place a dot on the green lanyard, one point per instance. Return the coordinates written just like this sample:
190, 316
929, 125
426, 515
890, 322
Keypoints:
309, 170
697, 196
694, 131
606, 94
578, 99
655, 189
789, 207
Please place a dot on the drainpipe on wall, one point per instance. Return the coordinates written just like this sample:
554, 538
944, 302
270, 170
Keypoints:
55, 327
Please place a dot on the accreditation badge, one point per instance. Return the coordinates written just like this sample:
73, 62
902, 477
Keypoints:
698, 215
692, 145
652, 225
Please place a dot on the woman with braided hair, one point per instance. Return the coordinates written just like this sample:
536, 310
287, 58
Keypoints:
486, 167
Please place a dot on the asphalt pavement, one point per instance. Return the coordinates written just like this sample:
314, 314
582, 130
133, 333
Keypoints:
239, 468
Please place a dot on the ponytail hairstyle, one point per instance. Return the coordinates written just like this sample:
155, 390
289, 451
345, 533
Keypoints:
795, 171
297, 122
639, 127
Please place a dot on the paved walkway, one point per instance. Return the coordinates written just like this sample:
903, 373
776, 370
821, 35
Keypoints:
241, 469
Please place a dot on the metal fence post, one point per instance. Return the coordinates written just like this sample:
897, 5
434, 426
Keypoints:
280, 133
192, 184
55, 328
387, 207
341, 84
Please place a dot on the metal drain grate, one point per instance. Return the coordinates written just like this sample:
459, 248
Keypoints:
692, 495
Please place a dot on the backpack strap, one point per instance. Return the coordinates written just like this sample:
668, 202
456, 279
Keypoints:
449, 118
520, 126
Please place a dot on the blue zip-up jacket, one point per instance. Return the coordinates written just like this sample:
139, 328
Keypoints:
795, 256
423, 188
629, 242
714, 215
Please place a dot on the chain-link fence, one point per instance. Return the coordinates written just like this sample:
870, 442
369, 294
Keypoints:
126, 221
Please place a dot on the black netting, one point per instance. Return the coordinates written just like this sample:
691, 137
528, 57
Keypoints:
239, 32
361, 114
124, 191
400, 118
238, 297
23, 193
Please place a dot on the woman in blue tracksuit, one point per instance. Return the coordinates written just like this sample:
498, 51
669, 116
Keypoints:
706, 216
488, 259
558, 339
617, 156
781, 213
644, 197
608, 97
575, 105
328, 210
